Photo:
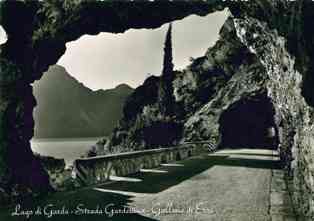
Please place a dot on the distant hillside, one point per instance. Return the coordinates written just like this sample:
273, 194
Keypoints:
66, 108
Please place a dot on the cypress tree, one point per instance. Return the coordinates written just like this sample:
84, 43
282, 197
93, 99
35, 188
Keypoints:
167, 71
166, 98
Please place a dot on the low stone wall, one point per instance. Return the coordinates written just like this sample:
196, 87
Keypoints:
98, 169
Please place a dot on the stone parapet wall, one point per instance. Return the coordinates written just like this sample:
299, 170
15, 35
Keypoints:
95, 170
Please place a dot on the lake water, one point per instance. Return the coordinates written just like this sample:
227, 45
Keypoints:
68, 149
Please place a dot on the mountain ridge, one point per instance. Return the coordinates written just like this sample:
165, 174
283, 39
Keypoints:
67, 108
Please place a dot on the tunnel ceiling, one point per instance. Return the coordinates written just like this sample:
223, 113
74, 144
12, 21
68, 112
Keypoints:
42, 28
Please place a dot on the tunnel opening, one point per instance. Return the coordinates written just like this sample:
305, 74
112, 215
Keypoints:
249, 123
43, 46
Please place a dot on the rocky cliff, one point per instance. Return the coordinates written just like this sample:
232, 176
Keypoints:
246, 91
226, 72
66, 108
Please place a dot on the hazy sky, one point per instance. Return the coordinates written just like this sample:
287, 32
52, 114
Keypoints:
3, 35
106, 60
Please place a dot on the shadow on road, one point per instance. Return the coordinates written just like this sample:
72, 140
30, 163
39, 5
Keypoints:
148, 182
250, 163
256, 154
157, 182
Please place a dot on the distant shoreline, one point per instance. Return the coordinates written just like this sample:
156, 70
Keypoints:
68, 149
65, 139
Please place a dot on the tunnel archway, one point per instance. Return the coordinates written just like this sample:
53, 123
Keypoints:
47, 27
249, 123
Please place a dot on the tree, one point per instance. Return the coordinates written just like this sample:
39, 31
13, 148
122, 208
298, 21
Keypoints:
167, 71
166, 98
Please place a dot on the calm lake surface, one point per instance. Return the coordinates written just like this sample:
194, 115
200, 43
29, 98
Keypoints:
67, 148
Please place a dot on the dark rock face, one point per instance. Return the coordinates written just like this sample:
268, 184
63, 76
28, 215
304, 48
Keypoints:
51, 163
60, 177
273, 38
161, 134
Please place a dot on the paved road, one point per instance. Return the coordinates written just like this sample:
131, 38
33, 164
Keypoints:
228, 185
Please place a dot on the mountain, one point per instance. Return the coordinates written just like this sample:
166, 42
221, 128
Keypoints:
66, 108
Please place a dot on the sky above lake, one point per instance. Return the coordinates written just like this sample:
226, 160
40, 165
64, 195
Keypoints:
106, 60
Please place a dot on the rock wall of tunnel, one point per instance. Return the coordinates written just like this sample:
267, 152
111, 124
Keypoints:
275, 38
